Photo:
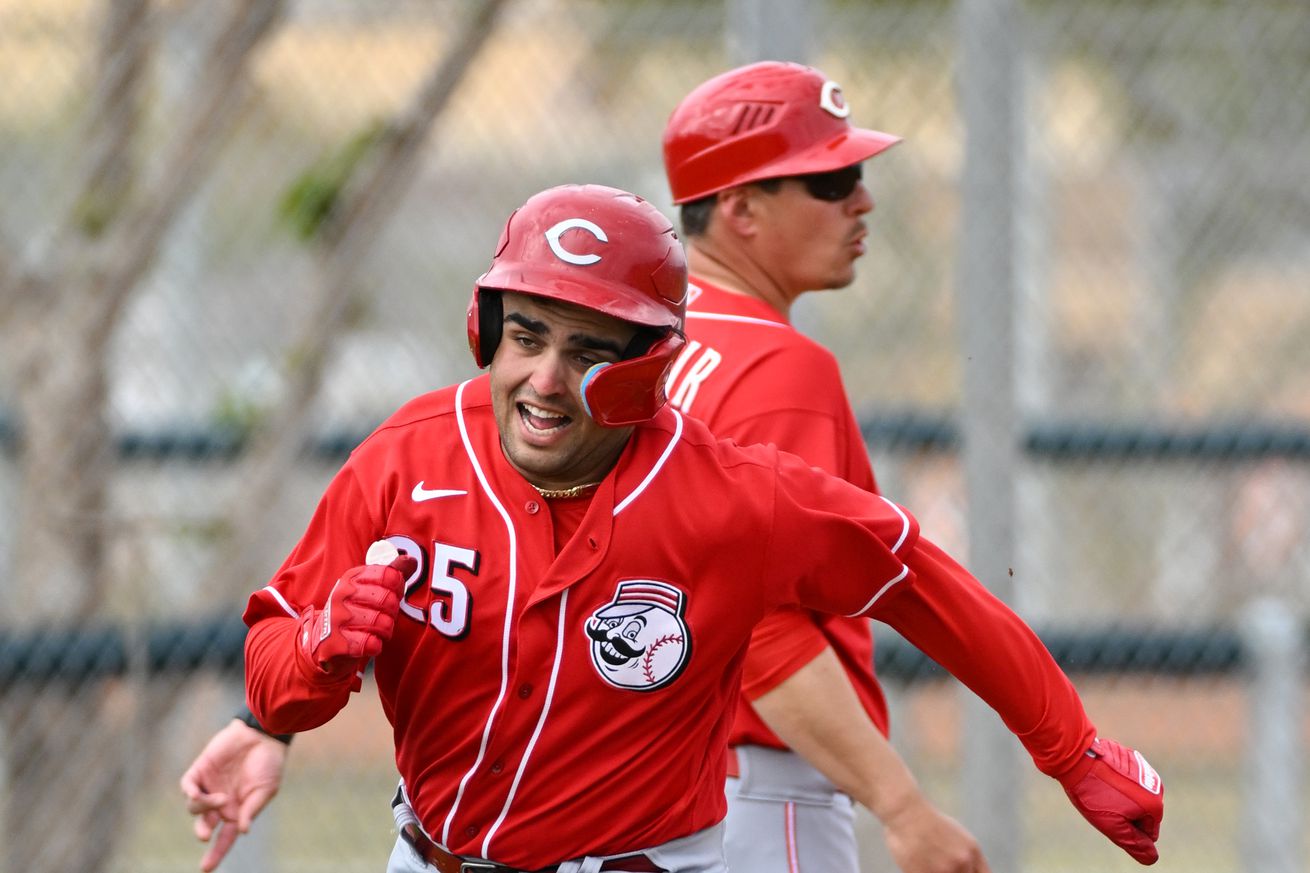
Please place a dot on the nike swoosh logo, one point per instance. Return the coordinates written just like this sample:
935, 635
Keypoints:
419, 494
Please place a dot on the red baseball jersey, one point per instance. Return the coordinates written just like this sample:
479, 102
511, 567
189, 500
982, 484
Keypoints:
547, 705
753, 378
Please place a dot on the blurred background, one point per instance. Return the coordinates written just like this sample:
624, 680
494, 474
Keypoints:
236, 234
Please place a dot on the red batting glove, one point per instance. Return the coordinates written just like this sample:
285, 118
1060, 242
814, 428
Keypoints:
1121, 795
358, 619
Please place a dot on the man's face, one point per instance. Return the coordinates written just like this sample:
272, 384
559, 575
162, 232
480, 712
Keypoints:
536, 374
810, 244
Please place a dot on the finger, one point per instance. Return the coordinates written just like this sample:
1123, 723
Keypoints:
1133, 841
190, 783
376, 596
371, 646
1144, 852
203, 803
251, 807
227, 835
205, 824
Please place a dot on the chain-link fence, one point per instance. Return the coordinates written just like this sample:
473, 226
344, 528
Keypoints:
235, 235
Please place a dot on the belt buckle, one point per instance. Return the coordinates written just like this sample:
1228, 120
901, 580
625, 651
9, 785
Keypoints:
478, 867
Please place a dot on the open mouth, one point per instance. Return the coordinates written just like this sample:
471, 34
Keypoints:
614, 656
540, 421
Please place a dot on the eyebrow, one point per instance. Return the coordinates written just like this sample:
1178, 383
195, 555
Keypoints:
582, 340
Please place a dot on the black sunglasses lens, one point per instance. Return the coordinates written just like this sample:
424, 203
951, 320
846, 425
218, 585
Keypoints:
834, 186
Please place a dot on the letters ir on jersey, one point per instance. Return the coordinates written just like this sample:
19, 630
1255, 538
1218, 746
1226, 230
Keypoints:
600, 680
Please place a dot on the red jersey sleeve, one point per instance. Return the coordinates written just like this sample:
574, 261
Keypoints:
285, 697
834, 547
783, 642
955, 620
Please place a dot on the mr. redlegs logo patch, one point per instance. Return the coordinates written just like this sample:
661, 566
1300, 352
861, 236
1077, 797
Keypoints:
639, 640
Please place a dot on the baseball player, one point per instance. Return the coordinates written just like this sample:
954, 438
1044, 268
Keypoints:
560, 636
775, 387
767, 169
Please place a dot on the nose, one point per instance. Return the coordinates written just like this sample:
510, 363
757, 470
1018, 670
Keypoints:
549, 375
861, 200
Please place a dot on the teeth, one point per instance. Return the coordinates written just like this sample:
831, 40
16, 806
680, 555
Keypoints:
556, 419
538, 412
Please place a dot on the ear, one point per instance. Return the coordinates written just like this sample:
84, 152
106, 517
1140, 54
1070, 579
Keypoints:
737, 210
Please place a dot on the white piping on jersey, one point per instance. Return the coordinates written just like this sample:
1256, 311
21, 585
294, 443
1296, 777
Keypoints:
905, 524
277, 595
509, 609
541, 723
905, 571
742, 319
504, 654
659, 465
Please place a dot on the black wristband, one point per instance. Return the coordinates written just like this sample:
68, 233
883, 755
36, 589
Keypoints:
246, 717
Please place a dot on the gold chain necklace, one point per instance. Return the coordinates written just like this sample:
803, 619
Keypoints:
564, 492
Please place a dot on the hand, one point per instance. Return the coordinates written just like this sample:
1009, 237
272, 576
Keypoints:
922, 839
234, 777
1121, 795
359, 617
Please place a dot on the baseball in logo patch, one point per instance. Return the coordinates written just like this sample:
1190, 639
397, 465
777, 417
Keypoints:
639, 640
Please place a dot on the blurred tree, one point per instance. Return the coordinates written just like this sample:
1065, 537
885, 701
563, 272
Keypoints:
339, 207
58, 317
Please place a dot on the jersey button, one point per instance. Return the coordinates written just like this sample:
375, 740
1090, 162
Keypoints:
497, 767
532, 506
471, 831
524, 691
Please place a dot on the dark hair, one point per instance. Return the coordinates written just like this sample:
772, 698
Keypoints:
695, 215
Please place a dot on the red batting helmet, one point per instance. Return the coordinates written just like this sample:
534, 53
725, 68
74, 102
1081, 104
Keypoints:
602, 249
762, 121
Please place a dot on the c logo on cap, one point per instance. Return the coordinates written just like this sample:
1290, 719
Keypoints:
832, 101
553, 235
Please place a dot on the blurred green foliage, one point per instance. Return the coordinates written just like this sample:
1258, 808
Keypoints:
311, 198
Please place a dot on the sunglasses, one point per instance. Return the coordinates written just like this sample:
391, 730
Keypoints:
833, 186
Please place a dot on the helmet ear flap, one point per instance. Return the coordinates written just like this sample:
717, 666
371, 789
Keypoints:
619, 394
486, 318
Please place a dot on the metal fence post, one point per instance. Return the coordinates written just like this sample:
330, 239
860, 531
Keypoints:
991, 106
769, 30
1272, 803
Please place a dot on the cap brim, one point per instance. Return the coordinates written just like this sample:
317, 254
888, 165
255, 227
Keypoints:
850, 147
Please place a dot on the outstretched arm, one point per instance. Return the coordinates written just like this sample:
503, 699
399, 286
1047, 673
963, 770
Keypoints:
817, 713
950, 616
229, 783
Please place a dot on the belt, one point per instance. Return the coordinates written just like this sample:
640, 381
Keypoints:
734, 765
435, 856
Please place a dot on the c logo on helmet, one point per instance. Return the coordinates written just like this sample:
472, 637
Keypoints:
553, 235
832, 101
